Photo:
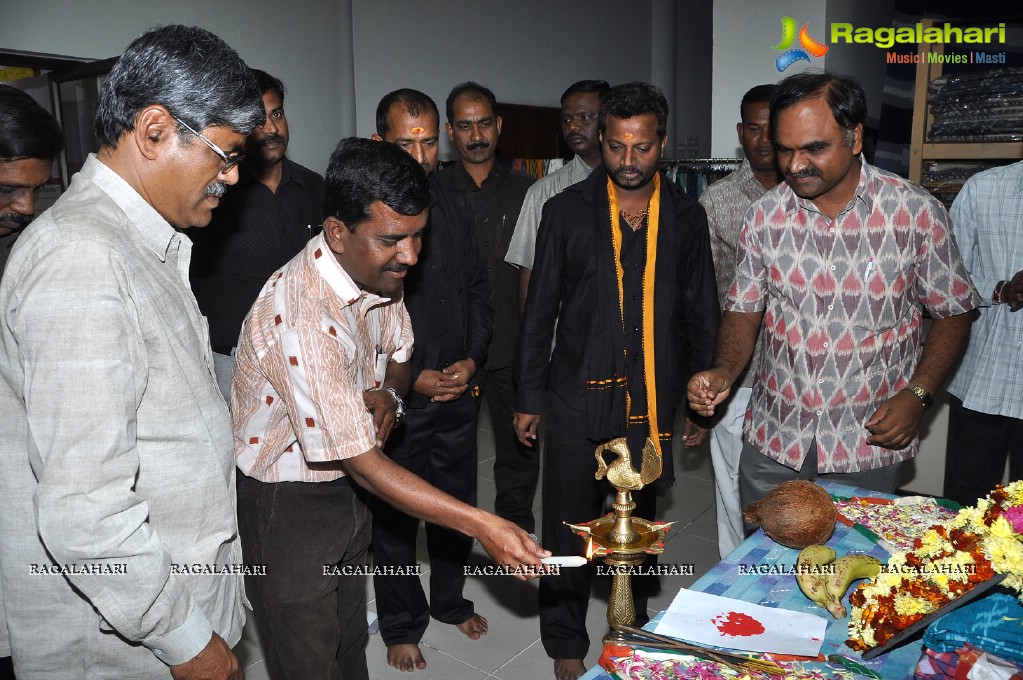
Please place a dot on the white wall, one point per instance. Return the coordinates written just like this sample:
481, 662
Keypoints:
694, 53
865, 63
526, 51
744, 34
298, 41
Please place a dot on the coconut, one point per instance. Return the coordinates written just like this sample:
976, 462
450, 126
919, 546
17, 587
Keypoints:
796, 514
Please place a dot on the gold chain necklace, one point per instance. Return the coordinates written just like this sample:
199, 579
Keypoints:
635, 219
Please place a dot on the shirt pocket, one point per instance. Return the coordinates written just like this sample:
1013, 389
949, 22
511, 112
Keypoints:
887, 293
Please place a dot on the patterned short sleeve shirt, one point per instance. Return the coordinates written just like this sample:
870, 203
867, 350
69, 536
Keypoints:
842, 301
312, 344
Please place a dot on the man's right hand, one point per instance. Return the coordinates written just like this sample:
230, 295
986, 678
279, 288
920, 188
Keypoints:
437, 386
707, 389
511, 546
526, 426
215, 662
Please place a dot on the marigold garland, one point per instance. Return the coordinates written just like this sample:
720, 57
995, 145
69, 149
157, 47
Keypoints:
947, 561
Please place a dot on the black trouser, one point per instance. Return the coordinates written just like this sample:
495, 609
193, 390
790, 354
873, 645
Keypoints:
572, 494
977, 446
311, 624
438, 443
516, 467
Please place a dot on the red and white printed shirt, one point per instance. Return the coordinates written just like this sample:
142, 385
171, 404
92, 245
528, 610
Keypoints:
311, 345
842, 304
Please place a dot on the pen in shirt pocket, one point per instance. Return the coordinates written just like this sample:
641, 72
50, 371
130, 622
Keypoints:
380, 366
869, 270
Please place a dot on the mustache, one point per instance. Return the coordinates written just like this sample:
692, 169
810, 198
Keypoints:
16, 218
395, 268
216, 190
271, 139
621, 170
804, 174
482, 144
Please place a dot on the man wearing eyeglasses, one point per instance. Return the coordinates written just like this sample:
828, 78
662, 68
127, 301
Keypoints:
119, 549
262, 223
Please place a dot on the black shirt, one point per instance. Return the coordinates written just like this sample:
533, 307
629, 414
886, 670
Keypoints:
447, 295
562, 292
491, 211
254, 233
633, 259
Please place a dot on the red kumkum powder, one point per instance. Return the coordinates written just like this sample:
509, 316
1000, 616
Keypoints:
737, 624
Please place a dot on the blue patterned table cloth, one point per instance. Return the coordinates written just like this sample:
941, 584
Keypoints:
735, 577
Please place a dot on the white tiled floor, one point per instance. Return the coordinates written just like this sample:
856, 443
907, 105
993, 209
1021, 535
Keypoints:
512, 649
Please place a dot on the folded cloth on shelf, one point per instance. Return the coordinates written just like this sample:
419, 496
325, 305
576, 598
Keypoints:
993, 623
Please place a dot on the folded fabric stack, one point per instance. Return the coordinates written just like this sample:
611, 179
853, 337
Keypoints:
981, 106
992, 624
945, 179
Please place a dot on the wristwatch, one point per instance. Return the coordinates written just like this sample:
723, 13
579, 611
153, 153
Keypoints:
926, 397
399, 405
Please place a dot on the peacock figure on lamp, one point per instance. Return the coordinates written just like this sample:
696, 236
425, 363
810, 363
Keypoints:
621, 540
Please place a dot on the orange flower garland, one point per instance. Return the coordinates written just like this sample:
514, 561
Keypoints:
946, 562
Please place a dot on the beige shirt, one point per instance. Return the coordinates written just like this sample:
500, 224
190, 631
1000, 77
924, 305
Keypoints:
726, 201
115, 445
312, 344
522, 247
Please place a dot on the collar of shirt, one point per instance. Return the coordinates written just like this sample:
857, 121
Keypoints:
462, 180
578, 169
748, 182
288, 174
156, 232
864, 188
1018, 169
337, 278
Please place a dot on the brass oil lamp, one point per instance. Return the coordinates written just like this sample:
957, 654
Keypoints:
621, 540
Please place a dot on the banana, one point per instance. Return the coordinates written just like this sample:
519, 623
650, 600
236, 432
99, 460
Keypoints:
810, 578
848, 568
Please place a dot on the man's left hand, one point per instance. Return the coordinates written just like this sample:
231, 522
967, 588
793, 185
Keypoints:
1012, 292
693, 435
383, 407
894, 425
458, 373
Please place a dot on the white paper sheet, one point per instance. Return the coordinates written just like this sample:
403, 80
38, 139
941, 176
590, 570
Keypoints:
735, 624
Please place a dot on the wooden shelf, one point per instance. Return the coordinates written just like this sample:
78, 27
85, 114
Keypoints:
921, 150
970, 150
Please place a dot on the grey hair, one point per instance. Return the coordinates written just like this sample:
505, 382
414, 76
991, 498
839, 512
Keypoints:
194, 74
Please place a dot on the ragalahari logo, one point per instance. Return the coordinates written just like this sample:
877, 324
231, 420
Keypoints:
788, 36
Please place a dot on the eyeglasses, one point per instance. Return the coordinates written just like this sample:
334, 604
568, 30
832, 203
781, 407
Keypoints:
229, 161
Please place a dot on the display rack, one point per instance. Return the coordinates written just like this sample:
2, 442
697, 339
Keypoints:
920, 149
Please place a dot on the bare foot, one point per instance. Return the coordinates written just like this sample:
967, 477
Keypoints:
405, 657
474, 627
568, 669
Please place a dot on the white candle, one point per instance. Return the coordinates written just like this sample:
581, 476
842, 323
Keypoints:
565, 561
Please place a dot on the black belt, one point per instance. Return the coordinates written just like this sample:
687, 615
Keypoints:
223, 349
